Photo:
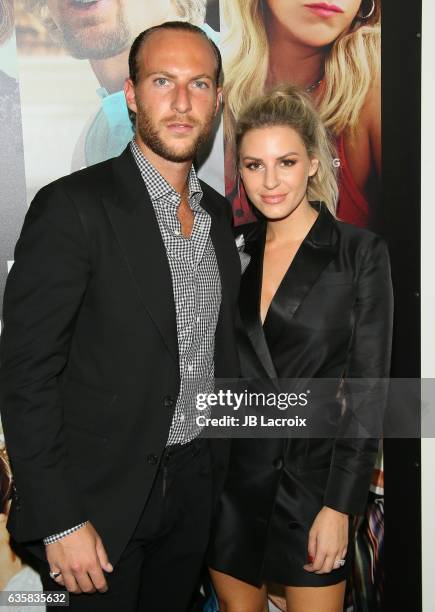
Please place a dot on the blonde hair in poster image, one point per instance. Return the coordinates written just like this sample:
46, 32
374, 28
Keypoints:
350, 63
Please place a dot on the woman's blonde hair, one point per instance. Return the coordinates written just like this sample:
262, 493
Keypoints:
187, 10
288, 106
350, 65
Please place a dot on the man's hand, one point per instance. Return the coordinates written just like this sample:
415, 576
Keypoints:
81, 558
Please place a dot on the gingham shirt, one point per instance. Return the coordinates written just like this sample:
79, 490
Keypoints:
197, 296
197, 292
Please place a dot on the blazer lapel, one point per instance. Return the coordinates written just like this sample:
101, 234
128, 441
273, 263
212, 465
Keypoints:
133, 219
316, 251
224, 246
250, 293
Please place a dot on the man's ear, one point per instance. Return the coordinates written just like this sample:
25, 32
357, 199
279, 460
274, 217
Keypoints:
219, 98
130, 95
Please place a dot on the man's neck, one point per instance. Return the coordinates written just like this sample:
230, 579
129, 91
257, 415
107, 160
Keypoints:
111, 72
176, 174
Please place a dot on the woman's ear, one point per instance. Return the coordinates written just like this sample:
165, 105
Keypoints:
314, 166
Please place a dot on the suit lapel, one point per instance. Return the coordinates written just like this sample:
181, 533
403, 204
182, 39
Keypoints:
250, 293
224, 247
316, 251
132, 216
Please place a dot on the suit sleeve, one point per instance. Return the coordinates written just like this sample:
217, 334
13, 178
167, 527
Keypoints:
365, 384
43, 296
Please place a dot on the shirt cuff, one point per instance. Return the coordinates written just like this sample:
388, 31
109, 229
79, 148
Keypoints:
62, 534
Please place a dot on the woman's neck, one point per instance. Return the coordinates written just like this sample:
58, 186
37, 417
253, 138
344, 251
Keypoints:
290, 60
294, 227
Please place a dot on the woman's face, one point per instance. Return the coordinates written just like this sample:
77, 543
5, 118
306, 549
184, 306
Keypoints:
275, 167
310, 22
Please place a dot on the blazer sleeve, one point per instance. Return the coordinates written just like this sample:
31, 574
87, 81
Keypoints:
365, 400
44, 291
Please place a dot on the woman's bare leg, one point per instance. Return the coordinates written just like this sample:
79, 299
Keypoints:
238, 596
316, 599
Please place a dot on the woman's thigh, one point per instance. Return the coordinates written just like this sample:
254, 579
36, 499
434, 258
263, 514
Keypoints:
237, 596
316, 599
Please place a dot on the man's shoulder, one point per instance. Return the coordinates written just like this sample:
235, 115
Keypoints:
89, 180
81, 188
215, 200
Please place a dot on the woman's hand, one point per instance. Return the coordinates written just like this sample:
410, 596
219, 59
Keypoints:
327, 542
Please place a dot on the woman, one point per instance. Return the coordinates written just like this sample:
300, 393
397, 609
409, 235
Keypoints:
332, 54
315, 302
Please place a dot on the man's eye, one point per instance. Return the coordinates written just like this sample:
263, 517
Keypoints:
161, 82
200, 85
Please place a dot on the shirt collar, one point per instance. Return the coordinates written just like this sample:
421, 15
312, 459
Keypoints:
158, 187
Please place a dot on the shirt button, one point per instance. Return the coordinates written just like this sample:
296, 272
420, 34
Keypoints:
198, 319
168, 401
278, 463
190, 368
152, 459
176, 232
182, 417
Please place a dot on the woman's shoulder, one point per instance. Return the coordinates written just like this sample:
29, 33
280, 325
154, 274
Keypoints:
358, 239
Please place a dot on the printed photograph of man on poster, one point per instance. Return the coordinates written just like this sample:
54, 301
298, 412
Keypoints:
101, 34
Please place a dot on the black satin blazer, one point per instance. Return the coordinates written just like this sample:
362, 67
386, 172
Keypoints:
331, 317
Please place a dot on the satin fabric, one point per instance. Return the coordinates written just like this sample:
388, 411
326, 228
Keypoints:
331, 317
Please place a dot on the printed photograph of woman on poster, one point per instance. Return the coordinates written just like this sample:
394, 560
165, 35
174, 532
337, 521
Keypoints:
332, 50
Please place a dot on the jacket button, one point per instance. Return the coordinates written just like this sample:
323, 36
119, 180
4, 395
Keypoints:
293, 525
168, 401
152, 459
278, 463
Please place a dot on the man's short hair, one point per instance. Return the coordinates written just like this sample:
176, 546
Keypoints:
182, 26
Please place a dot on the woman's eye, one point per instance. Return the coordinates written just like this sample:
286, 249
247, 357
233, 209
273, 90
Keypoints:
288, 163
253, 166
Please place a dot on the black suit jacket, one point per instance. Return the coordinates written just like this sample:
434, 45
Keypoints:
330, 319
89, 353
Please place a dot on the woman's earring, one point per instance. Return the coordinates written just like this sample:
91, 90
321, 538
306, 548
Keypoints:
369, 13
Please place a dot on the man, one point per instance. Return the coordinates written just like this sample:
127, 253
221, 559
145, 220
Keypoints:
102, 32
118, 310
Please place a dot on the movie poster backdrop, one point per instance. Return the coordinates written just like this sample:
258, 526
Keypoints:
62, 108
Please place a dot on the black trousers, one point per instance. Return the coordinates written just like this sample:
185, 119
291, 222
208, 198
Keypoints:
159, 570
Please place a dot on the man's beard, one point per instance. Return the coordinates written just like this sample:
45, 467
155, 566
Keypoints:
111, 41
150, 136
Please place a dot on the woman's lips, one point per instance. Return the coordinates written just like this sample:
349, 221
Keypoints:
324, 10
273, 199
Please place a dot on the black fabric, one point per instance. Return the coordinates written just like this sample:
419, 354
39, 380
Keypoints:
330, 318
160, 568
89, 370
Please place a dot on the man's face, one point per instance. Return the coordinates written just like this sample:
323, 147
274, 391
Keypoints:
175, 97
104, 28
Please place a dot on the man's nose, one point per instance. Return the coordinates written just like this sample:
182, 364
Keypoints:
181, 101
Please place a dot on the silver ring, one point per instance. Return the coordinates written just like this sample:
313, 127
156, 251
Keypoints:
55, 575
340, 562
